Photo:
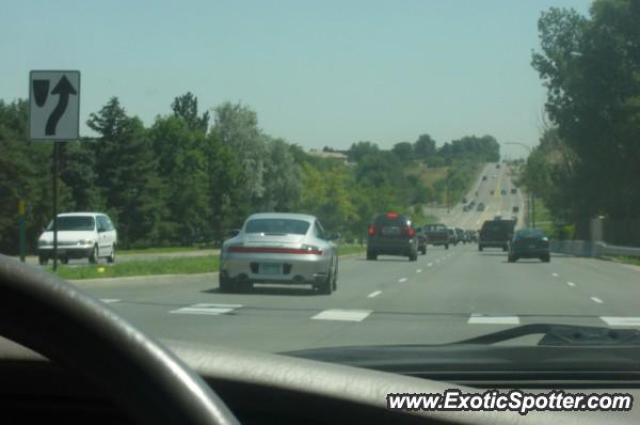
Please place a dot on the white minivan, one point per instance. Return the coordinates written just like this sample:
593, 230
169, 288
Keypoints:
80, 235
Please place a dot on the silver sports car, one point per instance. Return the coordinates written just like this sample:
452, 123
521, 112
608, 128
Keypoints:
279, 248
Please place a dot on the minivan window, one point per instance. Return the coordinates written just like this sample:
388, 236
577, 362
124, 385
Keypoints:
70, 223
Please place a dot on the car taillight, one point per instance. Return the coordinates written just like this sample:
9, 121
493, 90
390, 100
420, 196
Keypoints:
410, 231
304, 249
372, 230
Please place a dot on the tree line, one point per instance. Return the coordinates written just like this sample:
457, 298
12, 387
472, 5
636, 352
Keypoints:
190, 176
588, 161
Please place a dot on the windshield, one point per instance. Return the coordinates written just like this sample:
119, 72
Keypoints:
79, 223
259, 171
277, 226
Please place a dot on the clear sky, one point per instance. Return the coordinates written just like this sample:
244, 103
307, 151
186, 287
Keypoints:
317, 73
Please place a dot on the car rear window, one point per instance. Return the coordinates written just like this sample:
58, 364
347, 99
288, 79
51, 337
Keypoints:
497, 226
435, 228
278, 226
80, 223
529, 233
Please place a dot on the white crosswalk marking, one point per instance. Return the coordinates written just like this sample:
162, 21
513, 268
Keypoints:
110, 300
207, 309
621, 321
483, 319
344, 315
374, 294
402, 279
596, 300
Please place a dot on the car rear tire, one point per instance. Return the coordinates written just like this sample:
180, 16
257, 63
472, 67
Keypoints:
505, 248
545, 258
413, 257
326, 287
64, 260
225, 284
93, 257
512, 259
446, 246
423, 250
372, 256
334, 284
480, 247
112, 258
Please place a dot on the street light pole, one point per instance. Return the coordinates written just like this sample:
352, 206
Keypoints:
531, 207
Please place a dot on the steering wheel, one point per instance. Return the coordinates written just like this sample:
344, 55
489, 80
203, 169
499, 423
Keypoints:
52, 317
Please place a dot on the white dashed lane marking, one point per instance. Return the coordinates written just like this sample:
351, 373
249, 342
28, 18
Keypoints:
402, 280
571, 284
110, 300
596, 300
374, 294
207, 309
344, 315
481, 319
554, 274
621, 321
419, 271
429, 264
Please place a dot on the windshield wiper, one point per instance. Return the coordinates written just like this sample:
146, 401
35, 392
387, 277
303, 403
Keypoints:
561, 335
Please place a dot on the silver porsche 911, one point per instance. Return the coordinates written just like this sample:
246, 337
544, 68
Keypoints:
279, 248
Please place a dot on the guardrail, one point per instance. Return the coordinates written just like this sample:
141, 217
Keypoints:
592, 249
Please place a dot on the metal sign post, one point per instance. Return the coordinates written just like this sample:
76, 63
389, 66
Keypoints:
54, 116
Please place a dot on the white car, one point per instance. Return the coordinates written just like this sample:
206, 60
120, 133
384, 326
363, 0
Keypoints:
280, 248
80, 235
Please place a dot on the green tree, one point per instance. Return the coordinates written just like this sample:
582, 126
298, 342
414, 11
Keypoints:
359, 150
591, 67
186, 107
126, 173
424, 147
403, 150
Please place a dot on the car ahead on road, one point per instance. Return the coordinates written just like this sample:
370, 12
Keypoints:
503, 192
496, 233
493, 192
80, 235
514, 191
279, 248
437, 235
422, 240
529, 243
453, 237
473, 235
392, 234
480, 206
460, 235
484, 178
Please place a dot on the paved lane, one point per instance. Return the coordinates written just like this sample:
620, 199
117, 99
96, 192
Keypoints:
446, 296
457, 294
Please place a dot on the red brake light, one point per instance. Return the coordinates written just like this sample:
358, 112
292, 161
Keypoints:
392, 215
371, 230
410, 231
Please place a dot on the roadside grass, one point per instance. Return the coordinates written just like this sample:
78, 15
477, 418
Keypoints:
163, 250
180, 265
177, 265
347, 249
625, 259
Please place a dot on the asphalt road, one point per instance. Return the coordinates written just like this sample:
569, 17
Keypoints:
446, 296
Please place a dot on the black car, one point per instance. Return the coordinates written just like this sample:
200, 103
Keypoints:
496, 234
453, 239
437, 234
480, 206
392, 234
514, 191
515, 209
460, 235
422, 240
529, 243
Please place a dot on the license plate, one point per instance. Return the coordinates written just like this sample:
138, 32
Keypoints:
391, 231
268, 268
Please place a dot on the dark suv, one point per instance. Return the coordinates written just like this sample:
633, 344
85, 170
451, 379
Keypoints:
392, 234
437, 234
496, 234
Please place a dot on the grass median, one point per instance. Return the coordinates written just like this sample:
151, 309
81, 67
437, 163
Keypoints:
176, 265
